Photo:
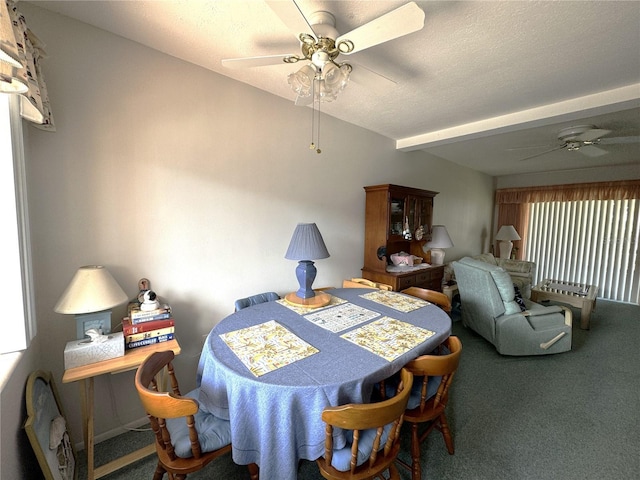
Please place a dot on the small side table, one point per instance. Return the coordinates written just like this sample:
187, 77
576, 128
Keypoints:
85, 374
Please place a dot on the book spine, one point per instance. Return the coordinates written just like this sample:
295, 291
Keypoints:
152, 333
151, 318
137, 313
149, 341
129, 329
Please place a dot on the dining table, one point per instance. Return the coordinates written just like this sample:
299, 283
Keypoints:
272, 368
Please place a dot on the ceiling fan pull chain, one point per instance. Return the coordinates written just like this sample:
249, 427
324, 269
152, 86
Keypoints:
312, 145
318, 128
316, 98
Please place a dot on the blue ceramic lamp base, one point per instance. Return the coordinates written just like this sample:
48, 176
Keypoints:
305, 296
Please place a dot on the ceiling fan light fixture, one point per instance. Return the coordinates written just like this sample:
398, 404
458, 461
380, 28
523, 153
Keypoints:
336, 77
302, 81
345, 46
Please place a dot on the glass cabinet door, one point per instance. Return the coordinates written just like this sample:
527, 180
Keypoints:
396, 216
424, 212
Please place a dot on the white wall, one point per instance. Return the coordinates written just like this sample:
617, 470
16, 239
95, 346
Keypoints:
164, 170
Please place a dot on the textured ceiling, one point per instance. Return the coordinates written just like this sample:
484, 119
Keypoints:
480, 81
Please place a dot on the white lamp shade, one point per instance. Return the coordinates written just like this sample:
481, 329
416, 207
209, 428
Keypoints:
92, 289
439, 238
507, 232
306, 243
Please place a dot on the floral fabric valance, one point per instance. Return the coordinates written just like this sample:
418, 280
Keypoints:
21, 53
622, 190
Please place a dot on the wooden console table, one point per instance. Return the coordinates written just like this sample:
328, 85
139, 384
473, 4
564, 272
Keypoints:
85, 375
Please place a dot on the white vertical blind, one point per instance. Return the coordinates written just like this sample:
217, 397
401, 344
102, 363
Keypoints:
593, 242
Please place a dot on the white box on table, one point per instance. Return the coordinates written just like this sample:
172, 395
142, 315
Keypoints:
83, 352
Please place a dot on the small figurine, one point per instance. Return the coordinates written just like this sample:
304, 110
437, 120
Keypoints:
406, 233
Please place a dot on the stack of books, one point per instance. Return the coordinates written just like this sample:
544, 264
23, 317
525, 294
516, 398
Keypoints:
143, 328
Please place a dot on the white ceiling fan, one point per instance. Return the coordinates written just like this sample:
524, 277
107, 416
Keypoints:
583, 139
323, 77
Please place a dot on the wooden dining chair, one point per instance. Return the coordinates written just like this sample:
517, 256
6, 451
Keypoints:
373, 437
186, 438
429, 371
432, 296
364, 283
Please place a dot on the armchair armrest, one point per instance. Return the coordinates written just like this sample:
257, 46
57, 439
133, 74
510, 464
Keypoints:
518, 324
568, 315
546, 311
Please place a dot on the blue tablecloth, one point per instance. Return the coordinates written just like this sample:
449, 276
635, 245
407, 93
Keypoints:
276, 418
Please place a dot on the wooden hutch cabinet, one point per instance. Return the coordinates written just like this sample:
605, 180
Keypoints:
394, 216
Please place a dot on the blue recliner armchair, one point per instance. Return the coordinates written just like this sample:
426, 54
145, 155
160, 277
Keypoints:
490, 308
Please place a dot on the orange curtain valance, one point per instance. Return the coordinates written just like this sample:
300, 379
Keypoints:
623, 190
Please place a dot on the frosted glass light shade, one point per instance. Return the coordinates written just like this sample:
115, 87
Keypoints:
92, 289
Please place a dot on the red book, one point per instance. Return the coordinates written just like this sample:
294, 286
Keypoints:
129, 328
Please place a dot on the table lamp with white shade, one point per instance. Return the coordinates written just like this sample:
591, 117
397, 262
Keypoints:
90, 296
505, 236
440, 240
307, 245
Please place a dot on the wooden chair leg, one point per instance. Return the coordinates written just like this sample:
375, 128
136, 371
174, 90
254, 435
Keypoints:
254, 471
446, 433
415, 453
159, 473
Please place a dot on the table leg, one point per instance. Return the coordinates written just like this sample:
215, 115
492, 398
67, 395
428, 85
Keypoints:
86, 400
585, 314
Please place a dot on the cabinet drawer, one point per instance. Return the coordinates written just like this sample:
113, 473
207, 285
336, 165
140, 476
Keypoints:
424, 278
406, 282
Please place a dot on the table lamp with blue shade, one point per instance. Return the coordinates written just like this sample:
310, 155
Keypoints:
90, 296
307, 245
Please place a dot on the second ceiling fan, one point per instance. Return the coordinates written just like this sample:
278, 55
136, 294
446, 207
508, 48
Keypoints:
584, 138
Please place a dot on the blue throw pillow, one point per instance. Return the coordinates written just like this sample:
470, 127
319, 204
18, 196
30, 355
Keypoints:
341, 459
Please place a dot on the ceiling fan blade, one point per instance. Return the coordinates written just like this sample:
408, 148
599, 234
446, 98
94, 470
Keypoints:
593, 134
366, 77
402, 21
543, 153
528, 147
616, 140
592, 151
248, 62
291, 15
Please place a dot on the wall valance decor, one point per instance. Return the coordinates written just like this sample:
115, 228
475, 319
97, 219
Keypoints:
513, 203
21, 54
574, 192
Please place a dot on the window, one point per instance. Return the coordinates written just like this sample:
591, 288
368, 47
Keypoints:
15, 256
591, 241
581, 232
